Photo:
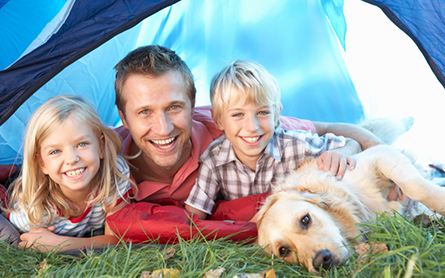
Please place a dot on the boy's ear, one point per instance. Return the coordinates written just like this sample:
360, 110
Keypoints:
216, 121
41, 164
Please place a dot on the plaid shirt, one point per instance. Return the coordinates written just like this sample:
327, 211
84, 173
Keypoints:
222, 172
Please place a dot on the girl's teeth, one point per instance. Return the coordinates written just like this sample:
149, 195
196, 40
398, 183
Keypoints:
251, 139
75, 173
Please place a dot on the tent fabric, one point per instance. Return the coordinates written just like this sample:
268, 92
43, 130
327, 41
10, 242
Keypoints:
89, 25
308, 64
424, 22
296, 40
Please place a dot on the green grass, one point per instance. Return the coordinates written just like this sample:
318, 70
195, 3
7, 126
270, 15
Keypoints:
413, 251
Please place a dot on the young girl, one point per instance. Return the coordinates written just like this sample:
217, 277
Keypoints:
71, 179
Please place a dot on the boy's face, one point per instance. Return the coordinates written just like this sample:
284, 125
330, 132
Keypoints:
249, 127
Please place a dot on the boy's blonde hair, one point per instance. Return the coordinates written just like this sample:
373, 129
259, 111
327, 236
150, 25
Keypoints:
244, 79
35, 192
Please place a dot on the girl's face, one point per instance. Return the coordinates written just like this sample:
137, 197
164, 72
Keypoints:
71, 157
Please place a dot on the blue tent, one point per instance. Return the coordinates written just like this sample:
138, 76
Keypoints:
56, 47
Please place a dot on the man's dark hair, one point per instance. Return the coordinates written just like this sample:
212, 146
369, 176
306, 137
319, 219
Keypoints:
154, 61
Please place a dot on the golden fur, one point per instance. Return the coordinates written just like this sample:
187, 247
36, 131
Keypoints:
310, 218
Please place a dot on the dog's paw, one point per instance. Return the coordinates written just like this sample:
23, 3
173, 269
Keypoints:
438, 181
408, 123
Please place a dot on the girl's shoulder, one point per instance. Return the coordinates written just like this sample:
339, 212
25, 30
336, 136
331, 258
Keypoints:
122, 166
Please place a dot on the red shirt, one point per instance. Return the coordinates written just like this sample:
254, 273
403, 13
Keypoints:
203, 133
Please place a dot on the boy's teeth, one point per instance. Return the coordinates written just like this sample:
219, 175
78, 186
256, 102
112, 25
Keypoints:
163, 144
75, 173
251, 139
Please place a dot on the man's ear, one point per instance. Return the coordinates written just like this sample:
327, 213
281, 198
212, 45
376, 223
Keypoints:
41, 164
122, 116
216, 121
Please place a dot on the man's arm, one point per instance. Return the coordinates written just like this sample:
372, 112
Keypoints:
365, 138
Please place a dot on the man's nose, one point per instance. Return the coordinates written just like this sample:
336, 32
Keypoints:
164, 124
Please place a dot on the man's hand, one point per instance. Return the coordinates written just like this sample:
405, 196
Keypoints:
336, 163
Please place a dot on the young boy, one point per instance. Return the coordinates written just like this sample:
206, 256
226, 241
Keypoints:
254, 151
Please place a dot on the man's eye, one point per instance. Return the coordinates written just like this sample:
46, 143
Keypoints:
144, 112
174, 107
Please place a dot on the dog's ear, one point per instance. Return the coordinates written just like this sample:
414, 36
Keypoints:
272, 199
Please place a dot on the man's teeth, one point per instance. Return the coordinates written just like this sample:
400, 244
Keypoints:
75, 173
163, 144
251, 139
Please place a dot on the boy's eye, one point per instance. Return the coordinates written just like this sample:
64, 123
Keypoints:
265, 112
237, 115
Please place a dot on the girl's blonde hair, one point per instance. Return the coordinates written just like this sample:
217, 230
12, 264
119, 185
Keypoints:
247, 80
35, 192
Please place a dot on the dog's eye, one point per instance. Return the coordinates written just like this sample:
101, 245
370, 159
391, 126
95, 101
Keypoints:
306, 220
283, 251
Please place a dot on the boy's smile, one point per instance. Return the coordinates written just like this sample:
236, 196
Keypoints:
249, 127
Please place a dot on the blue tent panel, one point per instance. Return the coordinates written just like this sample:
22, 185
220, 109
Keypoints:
424, 22
90, 24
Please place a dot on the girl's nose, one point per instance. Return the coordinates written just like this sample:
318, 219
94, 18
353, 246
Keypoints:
72, 157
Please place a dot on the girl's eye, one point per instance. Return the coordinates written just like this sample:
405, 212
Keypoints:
83, 144
53, 152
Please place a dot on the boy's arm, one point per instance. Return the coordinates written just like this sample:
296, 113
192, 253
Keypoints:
201, 214
365, 138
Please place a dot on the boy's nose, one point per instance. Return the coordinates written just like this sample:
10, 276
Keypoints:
252, 124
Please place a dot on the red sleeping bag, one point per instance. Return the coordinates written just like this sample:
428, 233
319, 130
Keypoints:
167, 220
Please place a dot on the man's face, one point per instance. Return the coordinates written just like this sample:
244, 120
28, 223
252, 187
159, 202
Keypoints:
158, 113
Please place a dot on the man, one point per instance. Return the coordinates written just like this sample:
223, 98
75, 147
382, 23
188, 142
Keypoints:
166, 134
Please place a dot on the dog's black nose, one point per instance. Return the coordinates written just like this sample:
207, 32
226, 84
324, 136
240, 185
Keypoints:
323, 259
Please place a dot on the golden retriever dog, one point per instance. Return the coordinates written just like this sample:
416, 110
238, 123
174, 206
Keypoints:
310, 218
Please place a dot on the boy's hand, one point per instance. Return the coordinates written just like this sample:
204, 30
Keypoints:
336, 163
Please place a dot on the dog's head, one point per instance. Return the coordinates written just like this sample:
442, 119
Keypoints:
312, 229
